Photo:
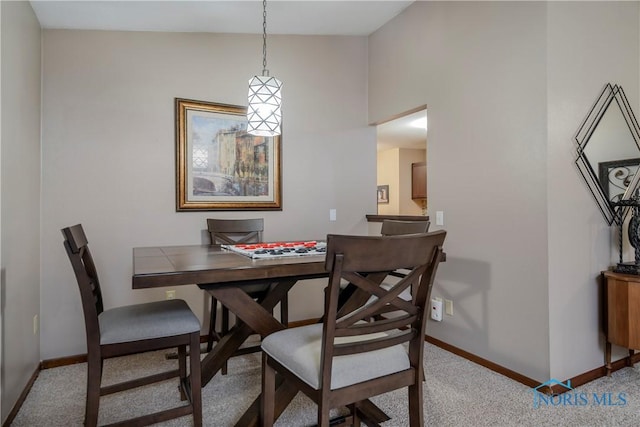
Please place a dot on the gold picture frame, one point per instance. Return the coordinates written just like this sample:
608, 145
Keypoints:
219, 166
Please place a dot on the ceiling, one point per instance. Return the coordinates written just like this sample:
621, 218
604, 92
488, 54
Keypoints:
401, 133
351, 18
356, 18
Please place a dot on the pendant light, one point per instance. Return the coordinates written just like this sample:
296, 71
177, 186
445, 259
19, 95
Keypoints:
264, 113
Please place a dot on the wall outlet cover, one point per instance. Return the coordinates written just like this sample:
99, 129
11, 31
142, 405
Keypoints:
436, 310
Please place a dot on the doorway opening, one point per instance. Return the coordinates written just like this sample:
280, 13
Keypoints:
401, 164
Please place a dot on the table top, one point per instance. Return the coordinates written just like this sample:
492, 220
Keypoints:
186, 265
622, 276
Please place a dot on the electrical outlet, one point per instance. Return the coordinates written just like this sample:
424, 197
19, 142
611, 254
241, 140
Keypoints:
171, 294
36, 324
448, 307
436, 309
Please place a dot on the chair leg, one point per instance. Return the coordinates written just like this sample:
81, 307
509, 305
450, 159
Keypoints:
284, 311
323, 415
355, 416
182, 368
267, 398
94, 378
225, 331
416, 415
211, 336
196, 381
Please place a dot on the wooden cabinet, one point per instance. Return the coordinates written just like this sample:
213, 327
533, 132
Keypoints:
621, 314
419, 181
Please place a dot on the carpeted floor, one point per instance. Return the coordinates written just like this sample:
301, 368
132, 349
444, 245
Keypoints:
456, 393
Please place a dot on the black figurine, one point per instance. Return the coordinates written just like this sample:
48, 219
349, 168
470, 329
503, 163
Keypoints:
633, 232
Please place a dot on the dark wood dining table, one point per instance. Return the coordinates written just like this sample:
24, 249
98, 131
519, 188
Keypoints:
225, 274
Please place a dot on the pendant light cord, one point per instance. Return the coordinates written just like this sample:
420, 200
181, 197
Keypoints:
265, 72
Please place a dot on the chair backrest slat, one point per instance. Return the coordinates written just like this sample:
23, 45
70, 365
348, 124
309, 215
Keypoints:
76, 245
365, 261
235, 231
373, 344
394, 227
383, 254
381, 325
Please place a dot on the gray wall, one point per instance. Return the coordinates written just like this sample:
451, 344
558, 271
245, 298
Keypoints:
108, 152
20, 199
580, 62
507, 85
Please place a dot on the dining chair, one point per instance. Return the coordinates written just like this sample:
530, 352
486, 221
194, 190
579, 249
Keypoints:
355, 353
232, 232
391, 228
133, 329
397, 227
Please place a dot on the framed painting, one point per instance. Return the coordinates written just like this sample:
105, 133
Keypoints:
219, 166
383, 194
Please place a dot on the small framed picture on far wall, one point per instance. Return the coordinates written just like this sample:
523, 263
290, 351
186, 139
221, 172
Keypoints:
383, 194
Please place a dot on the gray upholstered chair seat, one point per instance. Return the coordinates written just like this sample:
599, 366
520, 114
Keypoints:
147, 321
298, 349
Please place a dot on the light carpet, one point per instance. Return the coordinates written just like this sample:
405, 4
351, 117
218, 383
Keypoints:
457, 392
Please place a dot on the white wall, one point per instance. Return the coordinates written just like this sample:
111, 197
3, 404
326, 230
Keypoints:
481, 69
108, 152
20, 199
508, 84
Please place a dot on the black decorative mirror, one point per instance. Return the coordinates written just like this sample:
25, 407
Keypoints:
609, 153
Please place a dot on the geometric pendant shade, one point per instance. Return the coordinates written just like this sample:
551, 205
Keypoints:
264, 111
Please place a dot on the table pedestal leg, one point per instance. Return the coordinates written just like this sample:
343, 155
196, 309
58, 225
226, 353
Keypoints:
254, 318
370, 414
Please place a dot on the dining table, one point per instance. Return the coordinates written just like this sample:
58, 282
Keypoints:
226, 275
